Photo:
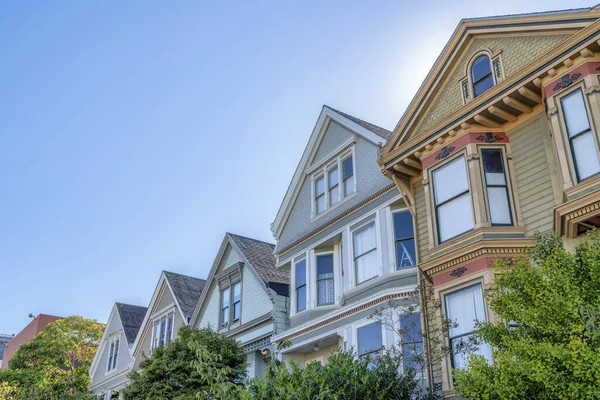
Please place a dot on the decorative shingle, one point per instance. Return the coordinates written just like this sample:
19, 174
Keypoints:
186, 290
131, 318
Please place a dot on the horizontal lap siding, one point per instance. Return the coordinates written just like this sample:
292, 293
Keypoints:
421, 222
530, 146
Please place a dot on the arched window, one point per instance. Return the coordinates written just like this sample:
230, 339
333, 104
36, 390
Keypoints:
481, 75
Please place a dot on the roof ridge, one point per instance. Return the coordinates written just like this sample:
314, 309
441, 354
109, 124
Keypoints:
365, 124
187, 276
249, 238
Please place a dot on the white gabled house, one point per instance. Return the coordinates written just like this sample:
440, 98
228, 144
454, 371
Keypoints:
114, 358
246, 298
170, 309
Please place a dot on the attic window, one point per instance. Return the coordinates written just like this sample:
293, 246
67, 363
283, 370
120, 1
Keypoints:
327, 190
481, 75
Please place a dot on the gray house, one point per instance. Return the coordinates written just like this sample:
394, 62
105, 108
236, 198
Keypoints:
347, 239
246, 298
114, 357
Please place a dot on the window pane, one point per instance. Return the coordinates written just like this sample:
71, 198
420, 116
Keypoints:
411, 327
301, 298
493, 167
364, 239
450, 180
237, 292
225, 316
366, 266
455, 217
333, 177
405, 253
320, 186
225, 298
325, 291
586, 158
349, 186
576, 118
413, 356
465, 307
369, 338
483, 85
301, 273
499, 209
403, 225
163, 326
334, 195
320, 204
325, 266
481, 67
236, 311
347, 167
460, 357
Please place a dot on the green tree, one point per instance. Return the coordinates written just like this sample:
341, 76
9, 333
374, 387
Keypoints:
56, 362
197, 363
546, 345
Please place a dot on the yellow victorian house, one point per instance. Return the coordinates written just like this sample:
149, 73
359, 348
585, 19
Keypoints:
501, 141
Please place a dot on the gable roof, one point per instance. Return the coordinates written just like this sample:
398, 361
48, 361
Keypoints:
186, 290
366, 130
131, 319
260, 256
459, 41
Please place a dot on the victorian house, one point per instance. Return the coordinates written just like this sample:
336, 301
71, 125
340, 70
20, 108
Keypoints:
246, 298
114, 357
501, 141
346, 236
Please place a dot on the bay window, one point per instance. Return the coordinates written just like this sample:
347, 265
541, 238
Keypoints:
364, 241
325, 279
113, 353
404, 239
301, 285
236, 300
496, 187
370, 340
464, 307
581, 138
452, 199
413, 355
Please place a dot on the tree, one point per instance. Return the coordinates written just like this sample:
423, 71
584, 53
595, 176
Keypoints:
345, 376
546, 342
198, 362
57, 360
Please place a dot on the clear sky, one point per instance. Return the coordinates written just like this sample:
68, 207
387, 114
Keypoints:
134, 134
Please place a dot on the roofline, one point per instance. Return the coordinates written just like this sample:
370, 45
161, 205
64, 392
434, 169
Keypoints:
100, 349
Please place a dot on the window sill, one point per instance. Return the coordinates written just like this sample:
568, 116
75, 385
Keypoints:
336, 205
582, 188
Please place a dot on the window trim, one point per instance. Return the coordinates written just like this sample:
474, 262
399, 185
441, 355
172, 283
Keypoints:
317, 255
396, 240
157, 319
507, 185
222, 322
579, 87
363, 225
435, 206
323, 172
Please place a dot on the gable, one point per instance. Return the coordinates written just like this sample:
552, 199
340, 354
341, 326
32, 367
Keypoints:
231, 257
165, 299
335, 136
515, 51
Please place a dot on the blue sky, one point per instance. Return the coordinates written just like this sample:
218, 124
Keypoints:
134, 134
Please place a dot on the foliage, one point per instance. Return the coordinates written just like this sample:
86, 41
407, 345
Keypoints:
200, 361
551, 347
345, 376
56, 362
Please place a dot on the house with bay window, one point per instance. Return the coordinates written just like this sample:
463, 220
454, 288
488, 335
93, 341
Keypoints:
170, 308
246, 298
501, 141
114, 357
346, 237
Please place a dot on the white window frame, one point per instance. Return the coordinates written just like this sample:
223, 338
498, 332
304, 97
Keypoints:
168, 314
316, 268
112, 361
323, 172
376, 249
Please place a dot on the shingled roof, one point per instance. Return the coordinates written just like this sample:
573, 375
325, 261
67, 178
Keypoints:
186, 290
260, 256
379, 131
131, 318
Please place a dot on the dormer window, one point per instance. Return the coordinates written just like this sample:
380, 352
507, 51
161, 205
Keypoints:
113, 354
162, 330
481, 75
332, 183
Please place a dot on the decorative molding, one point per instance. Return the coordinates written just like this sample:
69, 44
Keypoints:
497, 69
444, 152
458, 272
552, 111
489, 137
465, 90
566, 81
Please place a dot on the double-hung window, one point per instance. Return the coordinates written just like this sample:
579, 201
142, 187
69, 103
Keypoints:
413, 355
155, 334
237, 301
162, 330
370, 340
481, 75
325, 279
581, 138
452, 198
332, 183
113, 354
463, 308
365, 252
301, 286
496, 187
225, 297
404, 238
